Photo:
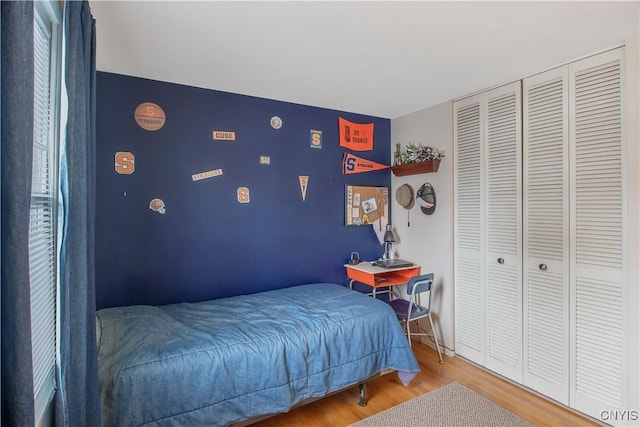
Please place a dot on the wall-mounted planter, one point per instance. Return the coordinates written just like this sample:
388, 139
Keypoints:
415, 168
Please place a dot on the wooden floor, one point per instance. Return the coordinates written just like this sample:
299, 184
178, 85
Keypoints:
342, 409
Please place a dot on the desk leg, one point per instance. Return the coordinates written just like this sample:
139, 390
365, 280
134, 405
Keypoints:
351, 284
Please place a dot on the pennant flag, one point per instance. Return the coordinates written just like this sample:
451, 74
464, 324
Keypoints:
304, 180
355, 164
355, 136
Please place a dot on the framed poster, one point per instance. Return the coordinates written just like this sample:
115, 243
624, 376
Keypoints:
366, 205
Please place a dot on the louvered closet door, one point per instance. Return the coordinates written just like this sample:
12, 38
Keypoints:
469, 326
597, 346
503, 141
546, 239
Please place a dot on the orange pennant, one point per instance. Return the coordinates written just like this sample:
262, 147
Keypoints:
355, 164
355, 136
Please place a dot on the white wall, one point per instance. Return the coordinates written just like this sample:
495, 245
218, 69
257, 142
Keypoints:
428, 241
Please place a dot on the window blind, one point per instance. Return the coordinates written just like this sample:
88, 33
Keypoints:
43, 226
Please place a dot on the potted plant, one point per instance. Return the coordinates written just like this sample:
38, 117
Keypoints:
416, 158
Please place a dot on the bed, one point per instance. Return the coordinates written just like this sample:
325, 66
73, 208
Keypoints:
235, 359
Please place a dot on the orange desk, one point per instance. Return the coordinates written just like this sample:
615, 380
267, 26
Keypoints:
378, 277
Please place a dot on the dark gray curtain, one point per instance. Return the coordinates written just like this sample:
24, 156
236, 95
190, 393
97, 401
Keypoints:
78, 399
15, 169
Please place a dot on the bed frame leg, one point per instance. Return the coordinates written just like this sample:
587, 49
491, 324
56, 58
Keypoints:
363, 399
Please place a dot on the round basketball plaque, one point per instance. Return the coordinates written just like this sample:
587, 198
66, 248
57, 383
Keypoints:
150, 116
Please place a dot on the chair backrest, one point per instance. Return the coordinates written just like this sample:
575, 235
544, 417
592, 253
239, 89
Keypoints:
419, 284
416, 286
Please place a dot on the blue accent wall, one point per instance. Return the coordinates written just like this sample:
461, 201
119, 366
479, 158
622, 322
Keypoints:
208, 245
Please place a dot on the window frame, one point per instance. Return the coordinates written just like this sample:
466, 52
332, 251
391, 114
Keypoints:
47, 18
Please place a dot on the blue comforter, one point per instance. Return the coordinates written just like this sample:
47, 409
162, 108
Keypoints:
223, 361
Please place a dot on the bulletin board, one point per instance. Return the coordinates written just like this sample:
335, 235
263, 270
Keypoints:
366, 205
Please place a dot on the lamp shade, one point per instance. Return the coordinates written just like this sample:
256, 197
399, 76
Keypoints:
388, 235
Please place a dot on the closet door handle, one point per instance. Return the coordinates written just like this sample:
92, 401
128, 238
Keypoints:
500, 260
543, 267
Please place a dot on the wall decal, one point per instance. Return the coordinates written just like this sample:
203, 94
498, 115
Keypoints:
304, 180
208, 174
316, 138
276, 122
125, 162
265, 160
243, 195
355, 164
221, 135
157, 205
150, 116
355, 136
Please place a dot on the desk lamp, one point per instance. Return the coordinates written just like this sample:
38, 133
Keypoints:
388, 239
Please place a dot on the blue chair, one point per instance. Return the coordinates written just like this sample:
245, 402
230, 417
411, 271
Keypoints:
410, 311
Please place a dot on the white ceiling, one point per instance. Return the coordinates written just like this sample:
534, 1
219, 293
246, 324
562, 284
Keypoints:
383, 59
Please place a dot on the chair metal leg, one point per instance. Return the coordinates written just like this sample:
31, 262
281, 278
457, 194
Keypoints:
408, 325
435, 337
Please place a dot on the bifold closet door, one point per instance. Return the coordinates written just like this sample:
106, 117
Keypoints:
468, 235
546, 238
574, 305
598, 356
488, 258
503, 259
